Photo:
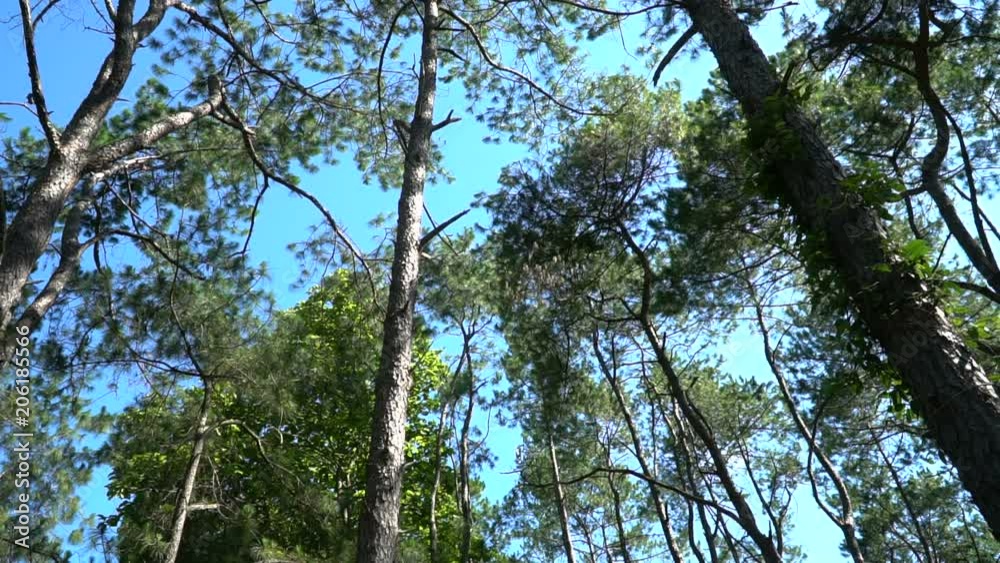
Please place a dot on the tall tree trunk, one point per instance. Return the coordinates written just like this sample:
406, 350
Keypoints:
640, 454
465, 489
379, 527
567, 539
949, 388
190, 476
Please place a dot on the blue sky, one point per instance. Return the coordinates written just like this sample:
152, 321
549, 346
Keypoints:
69, 56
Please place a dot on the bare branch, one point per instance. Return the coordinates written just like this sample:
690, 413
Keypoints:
43, 11
152, 244
427, 238
381, 64
674, 50
616, 13
248, 140
982, 290
977, 211
37, 97
502, 68
258, 440
446, 121
639, 475
253, 215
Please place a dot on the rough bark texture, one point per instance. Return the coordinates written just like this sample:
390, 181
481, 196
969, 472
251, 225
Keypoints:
190, 477
379, 529
949, 388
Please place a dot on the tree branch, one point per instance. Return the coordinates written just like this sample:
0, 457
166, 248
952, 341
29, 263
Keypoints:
37, 96
71, 251
674, 50
248, 140
427, 238
502, 68
105, 156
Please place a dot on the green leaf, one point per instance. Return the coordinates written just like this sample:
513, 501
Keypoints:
916, 250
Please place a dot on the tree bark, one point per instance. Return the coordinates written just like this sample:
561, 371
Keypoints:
71, 154
190, 477
379, 529
949, 388
567, 539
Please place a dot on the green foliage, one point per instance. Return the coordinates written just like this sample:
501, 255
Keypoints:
306, 392
693, 185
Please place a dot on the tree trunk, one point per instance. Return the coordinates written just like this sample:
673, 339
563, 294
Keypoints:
567, 539
465, 489
379, 527
436, 487
640, 455
190, 477
949, 388
845, 521
768, 550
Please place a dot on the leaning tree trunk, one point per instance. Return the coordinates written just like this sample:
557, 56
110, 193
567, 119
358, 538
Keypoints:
379, 527
72, 156
950, 389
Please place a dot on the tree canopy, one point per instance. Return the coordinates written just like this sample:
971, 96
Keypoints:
685, 322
